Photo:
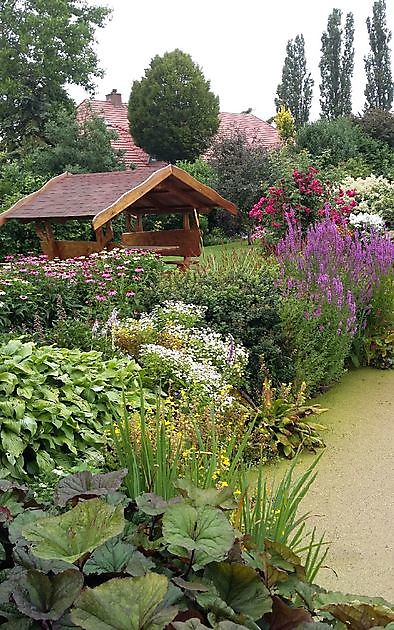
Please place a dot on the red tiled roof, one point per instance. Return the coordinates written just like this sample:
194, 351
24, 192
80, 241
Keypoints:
116, 119
255, 129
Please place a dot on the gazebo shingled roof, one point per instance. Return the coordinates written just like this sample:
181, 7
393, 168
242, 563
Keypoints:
102, 196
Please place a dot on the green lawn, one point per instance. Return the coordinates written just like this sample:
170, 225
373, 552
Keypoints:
219, 250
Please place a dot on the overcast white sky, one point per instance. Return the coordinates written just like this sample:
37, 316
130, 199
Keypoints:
240, 45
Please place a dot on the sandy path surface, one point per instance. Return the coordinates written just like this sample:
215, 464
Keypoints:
352, 498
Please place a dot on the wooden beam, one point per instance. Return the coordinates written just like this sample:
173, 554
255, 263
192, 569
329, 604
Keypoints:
130, 197
186, 220
187, 198
156, 203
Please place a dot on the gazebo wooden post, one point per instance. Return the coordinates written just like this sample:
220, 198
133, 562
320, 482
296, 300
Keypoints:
186, 220
103, 238
44, 232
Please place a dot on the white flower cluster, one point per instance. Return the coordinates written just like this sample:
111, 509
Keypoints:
173, 348
375, 195
367, 221
182, 367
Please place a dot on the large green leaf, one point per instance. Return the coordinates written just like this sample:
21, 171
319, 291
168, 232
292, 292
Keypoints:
204, 531
241, 587
223, 498
116, 556
69, 536
124, 604
42, 597
195, 624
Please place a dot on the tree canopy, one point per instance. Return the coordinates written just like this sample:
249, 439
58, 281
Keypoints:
379, 90
336, 66
295, 90
173, 113
44, 46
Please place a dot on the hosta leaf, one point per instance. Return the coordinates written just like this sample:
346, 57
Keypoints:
241, 587
124, 604
42, 597
85, 484
13, 445
360, 615
205, 531
79, 531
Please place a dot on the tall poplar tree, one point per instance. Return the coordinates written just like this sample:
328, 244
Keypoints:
379, 89
336, 66
295, 91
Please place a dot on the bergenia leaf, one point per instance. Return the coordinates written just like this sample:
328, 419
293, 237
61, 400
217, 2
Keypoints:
223, 498
205, 531
116, 556
70, 536
42, 597
241, 587
360, 615
153, 505
124, 604
86, 485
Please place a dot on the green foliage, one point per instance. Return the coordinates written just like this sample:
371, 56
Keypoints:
45, 46
379, 124
342, 143
201, 170
282, 421
318, 353
109, 606
82, 146
242, 300
172, 112
70, 536
379, 91
295, 91
55, 403
336, 66
239, 170
174, 576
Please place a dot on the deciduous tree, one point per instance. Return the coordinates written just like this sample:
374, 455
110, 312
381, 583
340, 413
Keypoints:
44, 46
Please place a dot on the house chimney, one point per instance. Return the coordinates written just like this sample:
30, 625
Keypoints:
115, 98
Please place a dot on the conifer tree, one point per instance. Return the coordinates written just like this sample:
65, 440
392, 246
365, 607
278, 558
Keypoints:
379, 88
295, 91
336, 66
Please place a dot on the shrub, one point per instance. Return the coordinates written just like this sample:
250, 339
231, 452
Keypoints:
240, 168
379, 124
243, 301
341, 142
374, 195
57, 405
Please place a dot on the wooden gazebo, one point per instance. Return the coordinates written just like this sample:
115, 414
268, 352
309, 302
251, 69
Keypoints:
100, 197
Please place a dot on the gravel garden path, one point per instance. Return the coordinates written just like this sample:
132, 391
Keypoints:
352, 498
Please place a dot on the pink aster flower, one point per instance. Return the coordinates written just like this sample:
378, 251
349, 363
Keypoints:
100, 298
112, 292
130, 294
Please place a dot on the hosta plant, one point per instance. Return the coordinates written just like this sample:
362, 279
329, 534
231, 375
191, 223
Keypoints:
158, 563
57, 403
